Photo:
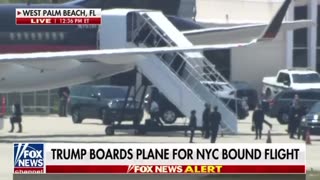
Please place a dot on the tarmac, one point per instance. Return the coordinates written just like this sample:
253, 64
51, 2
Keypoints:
61, 130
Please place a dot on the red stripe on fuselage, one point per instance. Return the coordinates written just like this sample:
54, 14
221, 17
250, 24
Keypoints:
27, 48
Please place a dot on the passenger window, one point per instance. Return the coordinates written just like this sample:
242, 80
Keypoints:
286, 78
305, 95
288, 95
84, 91
316, 96
309, 95
280, 78
74, 91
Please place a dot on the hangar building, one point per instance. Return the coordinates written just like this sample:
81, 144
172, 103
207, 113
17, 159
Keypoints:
298, 48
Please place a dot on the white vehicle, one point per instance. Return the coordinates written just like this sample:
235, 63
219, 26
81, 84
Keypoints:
296, 79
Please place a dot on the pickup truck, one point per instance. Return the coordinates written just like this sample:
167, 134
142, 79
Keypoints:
295, 79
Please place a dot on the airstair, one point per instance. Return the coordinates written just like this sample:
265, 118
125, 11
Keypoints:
188, 80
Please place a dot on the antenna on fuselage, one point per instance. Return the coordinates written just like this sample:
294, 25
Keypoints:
28, 2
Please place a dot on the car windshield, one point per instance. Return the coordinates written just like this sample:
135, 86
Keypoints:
315, 108
113, 92
306, 78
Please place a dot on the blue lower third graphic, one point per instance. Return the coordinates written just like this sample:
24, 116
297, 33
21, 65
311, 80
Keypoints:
28, 158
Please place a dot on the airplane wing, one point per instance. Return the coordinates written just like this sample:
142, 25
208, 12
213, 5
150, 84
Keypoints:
243, 33
238, 33
105, 55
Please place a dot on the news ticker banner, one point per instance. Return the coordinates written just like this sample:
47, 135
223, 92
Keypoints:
65, 16
159, 176
172, 158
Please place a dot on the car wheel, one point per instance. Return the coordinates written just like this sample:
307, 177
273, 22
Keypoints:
109, 131
76, 116
169, 116
104, 117
283, 118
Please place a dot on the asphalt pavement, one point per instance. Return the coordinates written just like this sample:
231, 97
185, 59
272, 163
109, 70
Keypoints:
56, 129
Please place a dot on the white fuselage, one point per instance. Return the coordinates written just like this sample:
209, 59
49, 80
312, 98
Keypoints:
25, 78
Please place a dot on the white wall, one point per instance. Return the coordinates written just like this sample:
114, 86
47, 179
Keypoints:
252, 63
238, 11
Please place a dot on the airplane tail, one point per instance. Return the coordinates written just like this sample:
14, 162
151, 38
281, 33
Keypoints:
273, 28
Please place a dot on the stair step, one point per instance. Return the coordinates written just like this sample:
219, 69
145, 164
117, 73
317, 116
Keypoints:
194, 71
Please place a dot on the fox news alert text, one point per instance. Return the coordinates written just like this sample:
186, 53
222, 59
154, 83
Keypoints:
160, 158
58, 16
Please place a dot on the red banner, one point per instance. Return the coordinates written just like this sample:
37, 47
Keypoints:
58, 21
178, 169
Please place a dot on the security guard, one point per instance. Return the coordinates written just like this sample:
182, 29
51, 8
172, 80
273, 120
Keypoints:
215, 123
64, 93
295, 116
192, 124
205, 121
257, 121
16, 117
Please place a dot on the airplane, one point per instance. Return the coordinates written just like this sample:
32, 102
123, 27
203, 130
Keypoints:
46, 57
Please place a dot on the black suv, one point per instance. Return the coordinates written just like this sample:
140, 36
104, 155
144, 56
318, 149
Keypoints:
279, 106
310, 121
103, 102
244, 90
169, 112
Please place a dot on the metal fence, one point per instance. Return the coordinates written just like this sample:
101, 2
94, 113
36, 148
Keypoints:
40, 102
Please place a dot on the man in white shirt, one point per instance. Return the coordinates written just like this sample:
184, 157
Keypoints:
154, 112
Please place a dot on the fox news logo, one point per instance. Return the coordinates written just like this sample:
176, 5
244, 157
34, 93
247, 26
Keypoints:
28, 155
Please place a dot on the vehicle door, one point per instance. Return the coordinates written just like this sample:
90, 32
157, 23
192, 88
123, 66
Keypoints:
93, 102
283, 82
75, 97
86, 101
285, 101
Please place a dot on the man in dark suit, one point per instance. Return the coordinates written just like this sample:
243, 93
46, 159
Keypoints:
192, 124
16, 117
205, 121
215, 124
63, 93
257, 121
